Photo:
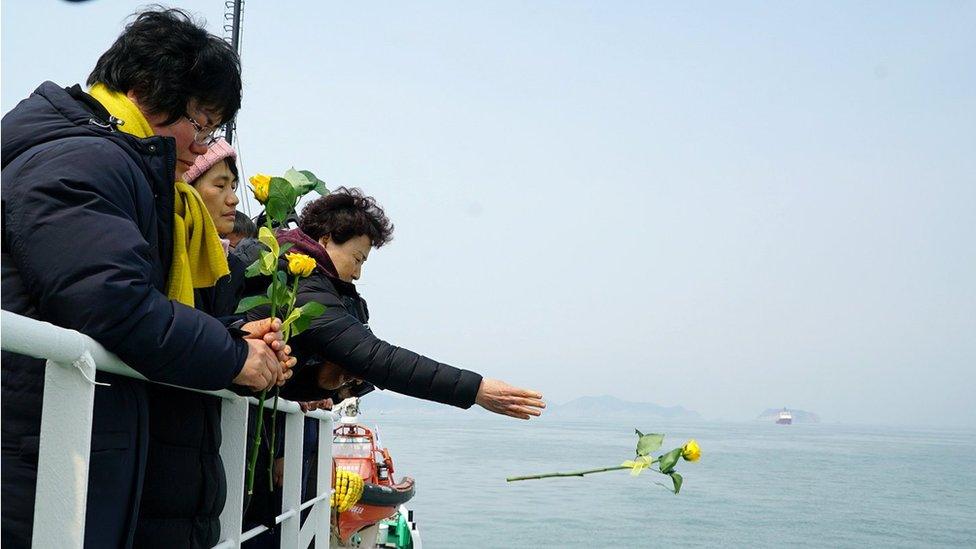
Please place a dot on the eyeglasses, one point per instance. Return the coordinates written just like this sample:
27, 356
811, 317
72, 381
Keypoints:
204, 134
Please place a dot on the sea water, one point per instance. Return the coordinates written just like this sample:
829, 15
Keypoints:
756, 485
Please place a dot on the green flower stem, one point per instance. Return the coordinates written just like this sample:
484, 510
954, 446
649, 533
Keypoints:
294, 297
255, 444
252, 461
577, 473
274, 431
274, 418
569, 474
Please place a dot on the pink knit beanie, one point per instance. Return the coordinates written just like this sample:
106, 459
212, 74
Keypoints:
220, 150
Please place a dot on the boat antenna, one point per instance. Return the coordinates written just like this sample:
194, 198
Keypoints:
233, 11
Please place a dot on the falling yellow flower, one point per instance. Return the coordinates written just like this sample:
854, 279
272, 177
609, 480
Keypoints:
261, 186
300, 264
691, 451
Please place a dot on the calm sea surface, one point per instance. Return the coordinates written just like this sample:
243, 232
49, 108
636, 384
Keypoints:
757, 484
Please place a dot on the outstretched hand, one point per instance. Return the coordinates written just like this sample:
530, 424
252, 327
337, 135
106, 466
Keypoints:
497, 396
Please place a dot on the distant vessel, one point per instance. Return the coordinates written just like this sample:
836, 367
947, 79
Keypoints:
785, 418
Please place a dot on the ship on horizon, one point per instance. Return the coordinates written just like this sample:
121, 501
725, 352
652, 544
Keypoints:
785, 418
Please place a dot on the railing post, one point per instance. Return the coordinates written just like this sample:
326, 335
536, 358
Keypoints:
324, 484
65, 448
233, 428
291, 492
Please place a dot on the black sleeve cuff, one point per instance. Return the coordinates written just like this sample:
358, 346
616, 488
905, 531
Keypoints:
467, 389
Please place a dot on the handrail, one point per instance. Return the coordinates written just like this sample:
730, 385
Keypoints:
40, 339
65, 441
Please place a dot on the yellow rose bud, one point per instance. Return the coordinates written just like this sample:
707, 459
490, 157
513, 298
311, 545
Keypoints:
300, 264
691, 451
261, 187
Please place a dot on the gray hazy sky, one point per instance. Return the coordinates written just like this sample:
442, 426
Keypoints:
728, 206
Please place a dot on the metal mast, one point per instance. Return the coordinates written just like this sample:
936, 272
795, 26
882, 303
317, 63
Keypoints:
232, 26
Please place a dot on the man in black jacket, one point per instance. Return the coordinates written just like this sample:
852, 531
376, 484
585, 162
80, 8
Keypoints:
87, 213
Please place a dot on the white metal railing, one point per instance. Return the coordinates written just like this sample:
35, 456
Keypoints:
65, 443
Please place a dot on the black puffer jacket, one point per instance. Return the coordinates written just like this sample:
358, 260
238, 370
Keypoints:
342, 337
184, 444
87, 237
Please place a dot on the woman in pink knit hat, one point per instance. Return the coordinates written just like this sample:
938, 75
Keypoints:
214, 176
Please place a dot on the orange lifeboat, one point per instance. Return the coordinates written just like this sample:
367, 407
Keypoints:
354, 449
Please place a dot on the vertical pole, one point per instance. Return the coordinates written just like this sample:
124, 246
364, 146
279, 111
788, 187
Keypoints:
324, 484
291, 491
65, 448
233, 428
235, 42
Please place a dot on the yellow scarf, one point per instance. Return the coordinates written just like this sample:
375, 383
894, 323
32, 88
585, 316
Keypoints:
198, 256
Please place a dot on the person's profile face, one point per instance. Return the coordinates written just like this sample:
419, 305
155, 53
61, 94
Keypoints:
349, 256
217, 188
183, 131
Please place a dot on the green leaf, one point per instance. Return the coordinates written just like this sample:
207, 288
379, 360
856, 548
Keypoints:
285, 247
282, 293
268, 262
249, 303
309, 312
648, 443
266, 237
281, 199
667, 461
319, 184
676, 479
292, 317
254, 269
299, 181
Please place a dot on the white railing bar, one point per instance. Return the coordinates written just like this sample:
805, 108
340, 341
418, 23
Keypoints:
291, 489
257, 530
313, 501
39, 339
73, 350
233, 430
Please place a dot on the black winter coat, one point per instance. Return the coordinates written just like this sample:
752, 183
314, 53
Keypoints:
184, 444
87, 237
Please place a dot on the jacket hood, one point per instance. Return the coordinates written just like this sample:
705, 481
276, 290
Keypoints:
307, 245
52, 113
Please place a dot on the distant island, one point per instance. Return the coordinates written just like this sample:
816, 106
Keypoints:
799, 416
383, 401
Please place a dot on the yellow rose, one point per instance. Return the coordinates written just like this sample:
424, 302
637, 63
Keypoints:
261, 186
300, 264
691, 451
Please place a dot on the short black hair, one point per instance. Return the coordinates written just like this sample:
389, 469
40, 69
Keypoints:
166, 58
244, 226
344, 214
